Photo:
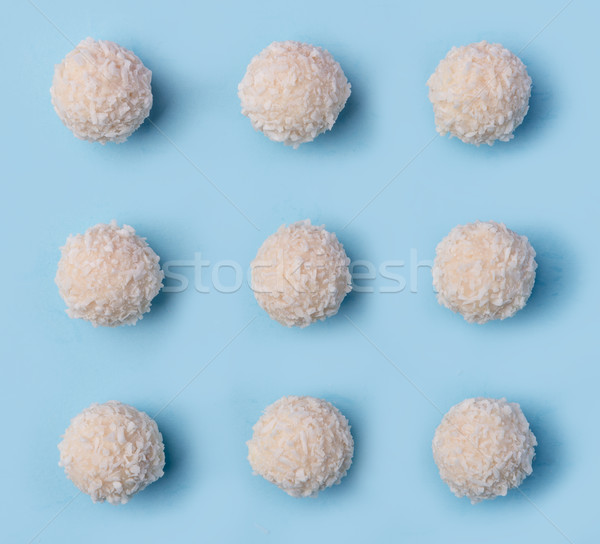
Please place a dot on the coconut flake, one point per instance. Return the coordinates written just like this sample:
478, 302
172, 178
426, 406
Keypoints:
301, 444
101, 91
483, 447
480, 93
108, 275
293, 92
300, 274
484, 271
107, 465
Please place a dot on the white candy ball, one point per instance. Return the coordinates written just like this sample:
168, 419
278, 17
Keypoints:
484, 271
302, 445
293, 92
111, 451
101, 91
480, 93
108, 276
300, 274
483, 447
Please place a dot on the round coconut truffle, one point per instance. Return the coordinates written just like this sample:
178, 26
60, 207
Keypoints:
111, 451
108, 276
293, 92
300, 274
101, 91
484, 271
483, 447
480, 93
302, 445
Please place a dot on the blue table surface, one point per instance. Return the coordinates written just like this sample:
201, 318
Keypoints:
202, 184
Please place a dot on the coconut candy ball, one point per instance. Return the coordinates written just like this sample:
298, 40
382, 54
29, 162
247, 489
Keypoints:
293, 92
108, 276
480, 93
302, 445
300, 274
101, 91
484, 271
483, 447
111, 451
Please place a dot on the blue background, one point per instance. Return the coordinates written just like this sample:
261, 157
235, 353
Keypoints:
390, 361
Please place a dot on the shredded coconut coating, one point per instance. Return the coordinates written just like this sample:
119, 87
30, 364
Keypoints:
484, 271
480, 93
483, 447
111, 451
293, 92
302, 445
108, 275
300, 274
101, 91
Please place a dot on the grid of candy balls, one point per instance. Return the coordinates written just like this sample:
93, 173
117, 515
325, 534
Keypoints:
292, 92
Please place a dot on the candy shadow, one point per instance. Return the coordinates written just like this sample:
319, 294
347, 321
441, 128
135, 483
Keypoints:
556, 275
352, 301
350, 124
354, 248
542, 105
176, 471
160, 104
549, 456
160, 303
350, 483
